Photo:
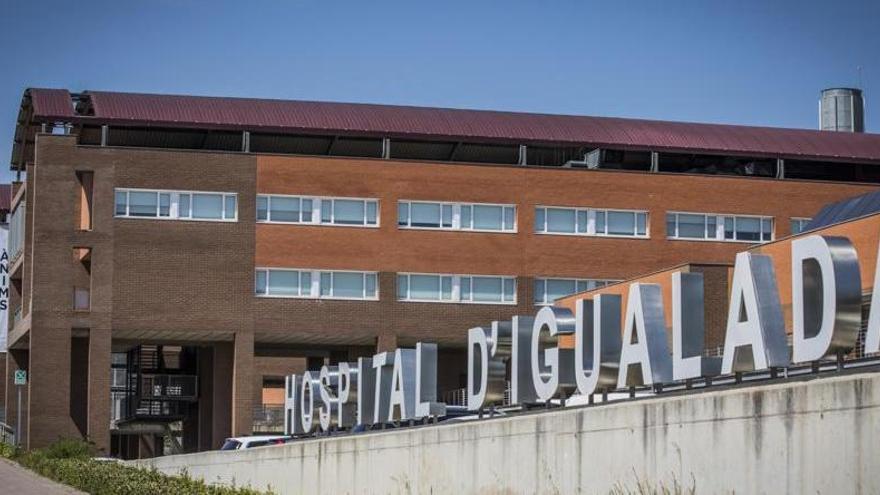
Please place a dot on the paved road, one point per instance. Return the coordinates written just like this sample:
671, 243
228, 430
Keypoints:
17, 480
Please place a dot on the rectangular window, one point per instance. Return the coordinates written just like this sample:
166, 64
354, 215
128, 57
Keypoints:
85, 179
477, 289
548, 290
183, 209
561, 220
330, 211
591, 222
456, 216
176, 205
799, 225
143, 204
280, 282
15, 242
702, 226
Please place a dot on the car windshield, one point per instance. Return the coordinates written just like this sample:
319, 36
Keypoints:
231, 444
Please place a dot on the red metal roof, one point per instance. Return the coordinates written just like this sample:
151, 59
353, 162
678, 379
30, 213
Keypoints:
452, 124
5, 197
51, 103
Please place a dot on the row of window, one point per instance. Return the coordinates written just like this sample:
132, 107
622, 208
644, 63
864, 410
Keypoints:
313, 210
419, 287
456, 288
590, 221
315, 284
456, 216
317, 210
548, 290
177, 205
719, 227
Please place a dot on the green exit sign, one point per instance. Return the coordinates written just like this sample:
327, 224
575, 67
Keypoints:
20, 377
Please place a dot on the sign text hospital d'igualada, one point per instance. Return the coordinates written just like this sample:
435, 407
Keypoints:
402, 385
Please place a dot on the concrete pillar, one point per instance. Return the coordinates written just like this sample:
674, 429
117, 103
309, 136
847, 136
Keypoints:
99, 388
242, 384
206, 399
386, 341
221, 393
49, 387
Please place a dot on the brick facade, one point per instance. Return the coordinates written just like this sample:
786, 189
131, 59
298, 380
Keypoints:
191, 283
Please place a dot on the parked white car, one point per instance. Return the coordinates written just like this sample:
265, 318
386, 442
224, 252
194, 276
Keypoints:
239, 443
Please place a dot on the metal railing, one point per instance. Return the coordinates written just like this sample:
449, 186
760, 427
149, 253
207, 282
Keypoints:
7, 434
169, 387
458, 397
137, 408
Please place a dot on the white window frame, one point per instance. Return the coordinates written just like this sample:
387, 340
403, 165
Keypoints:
315, 287
316, 210
804, 220
591, 222
456, 216
545, 302
174, 203
719, 227
456, 289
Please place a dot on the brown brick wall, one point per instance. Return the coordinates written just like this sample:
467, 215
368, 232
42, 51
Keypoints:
192, 282
389, 250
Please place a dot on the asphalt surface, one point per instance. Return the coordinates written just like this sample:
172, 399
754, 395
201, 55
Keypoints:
16, 480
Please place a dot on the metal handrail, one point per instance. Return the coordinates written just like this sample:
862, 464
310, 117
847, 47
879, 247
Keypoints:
7, 434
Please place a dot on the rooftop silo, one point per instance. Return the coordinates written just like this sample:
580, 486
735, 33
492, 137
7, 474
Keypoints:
842, 109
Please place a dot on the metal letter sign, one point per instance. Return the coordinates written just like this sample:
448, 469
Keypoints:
347, 395
310, 392
755, 337
402, 385
688, 329
644, 355
292, 405
383, 365
426, 382
522, 388
488, 352
872, 337
366, 391
552, 366
826, 297
402, 399
328, 413
597, 343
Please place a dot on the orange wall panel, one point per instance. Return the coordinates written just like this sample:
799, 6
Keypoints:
388, 248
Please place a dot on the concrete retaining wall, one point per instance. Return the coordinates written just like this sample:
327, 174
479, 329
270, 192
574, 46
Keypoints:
817, 436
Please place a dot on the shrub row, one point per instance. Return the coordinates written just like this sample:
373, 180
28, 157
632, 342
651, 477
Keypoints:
70, 462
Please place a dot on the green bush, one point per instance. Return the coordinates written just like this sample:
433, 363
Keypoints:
70, 462
7, 451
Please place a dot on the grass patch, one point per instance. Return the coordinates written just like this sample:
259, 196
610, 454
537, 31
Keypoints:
71, 462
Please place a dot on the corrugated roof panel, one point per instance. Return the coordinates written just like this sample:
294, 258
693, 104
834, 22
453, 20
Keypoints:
52, 103
847, 209
452, 124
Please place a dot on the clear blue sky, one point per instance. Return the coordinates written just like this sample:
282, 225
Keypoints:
748, 62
